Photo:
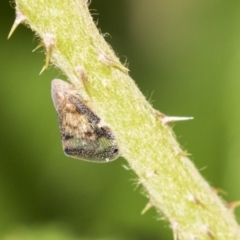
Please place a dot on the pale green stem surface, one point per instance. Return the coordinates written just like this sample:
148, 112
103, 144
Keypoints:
172, 183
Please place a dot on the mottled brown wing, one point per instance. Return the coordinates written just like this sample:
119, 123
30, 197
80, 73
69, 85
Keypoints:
82, 135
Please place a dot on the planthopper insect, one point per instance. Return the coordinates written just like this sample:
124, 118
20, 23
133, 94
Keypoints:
83, 135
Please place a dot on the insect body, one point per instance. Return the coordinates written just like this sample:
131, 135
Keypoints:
82, 135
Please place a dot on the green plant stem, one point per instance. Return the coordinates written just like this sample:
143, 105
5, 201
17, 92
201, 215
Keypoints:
172, 183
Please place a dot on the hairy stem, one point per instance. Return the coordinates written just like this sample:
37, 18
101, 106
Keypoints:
172, 183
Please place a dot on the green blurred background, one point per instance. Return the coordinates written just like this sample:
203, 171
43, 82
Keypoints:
184, 55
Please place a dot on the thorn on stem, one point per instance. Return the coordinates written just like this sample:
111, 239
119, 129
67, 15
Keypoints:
193, 199
180, 152
167, 119
38, 46
208, 231
81, 73
48, 41
219, 190
109, 62
146, 208
18, 20
233, 205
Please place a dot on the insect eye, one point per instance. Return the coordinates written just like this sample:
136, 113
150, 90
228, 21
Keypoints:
70, 107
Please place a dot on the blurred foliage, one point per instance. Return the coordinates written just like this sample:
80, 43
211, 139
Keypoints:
46, 233
184, 56
39, 233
